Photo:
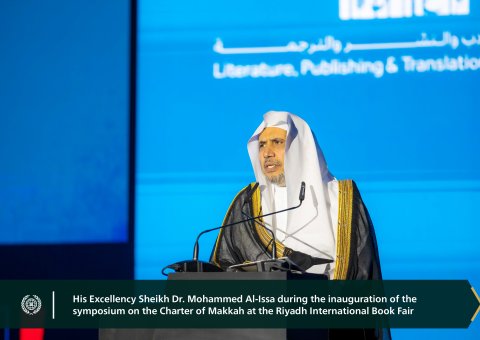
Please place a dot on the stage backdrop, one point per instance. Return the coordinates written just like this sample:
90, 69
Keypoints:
389, 87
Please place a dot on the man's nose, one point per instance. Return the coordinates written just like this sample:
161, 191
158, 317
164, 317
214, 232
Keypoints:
268, 152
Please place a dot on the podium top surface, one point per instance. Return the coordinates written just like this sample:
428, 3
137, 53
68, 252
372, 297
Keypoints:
277, 275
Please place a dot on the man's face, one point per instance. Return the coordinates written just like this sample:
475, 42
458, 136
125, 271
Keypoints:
271, 154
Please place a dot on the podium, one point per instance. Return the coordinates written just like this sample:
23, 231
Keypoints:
223, 333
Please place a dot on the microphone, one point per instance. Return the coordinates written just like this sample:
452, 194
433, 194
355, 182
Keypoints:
195, 265
199, 266
304, 260
301, 197
196, 246
298, 260
273, 241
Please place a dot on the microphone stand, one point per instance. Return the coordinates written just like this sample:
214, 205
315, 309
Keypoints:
195, 265
301, 198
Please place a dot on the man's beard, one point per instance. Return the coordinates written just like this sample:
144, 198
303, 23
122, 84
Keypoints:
278, 180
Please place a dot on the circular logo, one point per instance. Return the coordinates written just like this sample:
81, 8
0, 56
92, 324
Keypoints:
31, 304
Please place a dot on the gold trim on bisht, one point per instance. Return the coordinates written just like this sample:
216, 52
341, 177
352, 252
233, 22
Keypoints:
344, 233
262, 233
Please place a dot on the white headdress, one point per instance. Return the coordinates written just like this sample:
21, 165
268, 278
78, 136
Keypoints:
311, 228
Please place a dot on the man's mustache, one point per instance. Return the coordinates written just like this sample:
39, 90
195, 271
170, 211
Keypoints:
272, 162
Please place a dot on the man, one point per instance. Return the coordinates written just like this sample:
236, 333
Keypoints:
332, 223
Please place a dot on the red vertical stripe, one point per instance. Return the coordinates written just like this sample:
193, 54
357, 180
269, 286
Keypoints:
31, 333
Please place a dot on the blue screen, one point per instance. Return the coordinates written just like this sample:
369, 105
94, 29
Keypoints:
388, 87
64, 121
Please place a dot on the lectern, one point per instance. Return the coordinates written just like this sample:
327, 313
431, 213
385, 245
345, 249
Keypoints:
223, 334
